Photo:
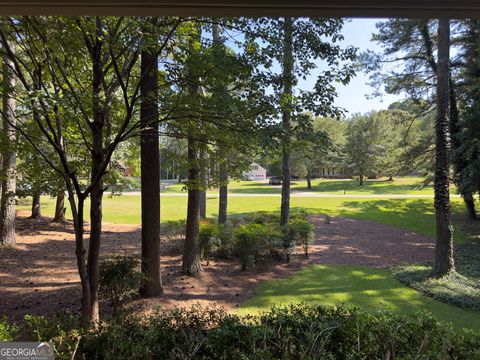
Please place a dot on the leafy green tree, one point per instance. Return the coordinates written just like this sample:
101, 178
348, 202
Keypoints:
363, 147
87, 104
296, 46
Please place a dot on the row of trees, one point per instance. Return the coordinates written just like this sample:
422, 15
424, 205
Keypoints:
80, 91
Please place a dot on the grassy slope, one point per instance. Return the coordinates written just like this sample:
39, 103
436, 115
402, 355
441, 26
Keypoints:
370, 289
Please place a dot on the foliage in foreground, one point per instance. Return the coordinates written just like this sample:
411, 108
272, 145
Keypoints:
296, 332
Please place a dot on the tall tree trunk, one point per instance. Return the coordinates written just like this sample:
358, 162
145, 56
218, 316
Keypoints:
36, 210
223, 194
287, 109
470, 205
80, 252
60, 208
203, 184
151, 284
96, 175
444, 241
361, 179
191, 253
309, 179
9, 167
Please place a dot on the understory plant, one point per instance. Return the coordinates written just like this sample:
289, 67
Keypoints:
298, 331
119, 279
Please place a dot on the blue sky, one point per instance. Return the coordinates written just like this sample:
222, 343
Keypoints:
352, 97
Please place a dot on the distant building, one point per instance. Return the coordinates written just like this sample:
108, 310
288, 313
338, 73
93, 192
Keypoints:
121, 167
332, 171
256, 172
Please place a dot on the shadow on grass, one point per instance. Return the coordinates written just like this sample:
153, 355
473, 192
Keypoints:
373, 289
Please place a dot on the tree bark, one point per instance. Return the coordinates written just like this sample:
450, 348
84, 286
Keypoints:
60, 208
9, 167
191, 253
361, 179
444, 238
470, 205
223, 194
36, 210
96, 175
287, 109
151, 284
309, 180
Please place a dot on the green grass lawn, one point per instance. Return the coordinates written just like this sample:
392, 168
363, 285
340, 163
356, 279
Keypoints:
411, 214
319, 284
401, 185
366, 288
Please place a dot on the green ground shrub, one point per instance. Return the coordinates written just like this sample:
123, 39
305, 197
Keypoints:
225, 248
454, 288
118, 279
173, 229
255, 242
8, 332
209, 240
302, 233
294, 332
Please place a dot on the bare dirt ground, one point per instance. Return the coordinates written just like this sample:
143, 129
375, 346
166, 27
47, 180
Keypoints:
39, 275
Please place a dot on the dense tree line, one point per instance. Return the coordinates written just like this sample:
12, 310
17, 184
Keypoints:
78, 92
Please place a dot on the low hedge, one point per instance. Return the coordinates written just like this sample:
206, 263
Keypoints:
295, 332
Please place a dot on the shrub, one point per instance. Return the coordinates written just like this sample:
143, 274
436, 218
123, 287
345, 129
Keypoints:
64, 330
302, 233
119, 279
225, 248
209, 241
295, 332
263, 218
8, 332
255, 242
174, 229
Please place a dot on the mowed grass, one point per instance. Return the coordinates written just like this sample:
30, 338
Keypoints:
401, 185
366, 288
322, 284
412, 214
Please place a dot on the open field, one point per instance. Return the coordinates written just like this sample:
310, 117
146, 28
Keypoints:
322, 282
401, 185
412, 214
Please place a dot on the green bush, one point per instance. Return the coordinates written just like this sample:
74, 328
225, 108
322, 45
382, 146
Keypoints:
119, 279
302, 233
264, 218
255, 242
174, 229
8, 332
209, 241
295, 332
64, 330
225, 248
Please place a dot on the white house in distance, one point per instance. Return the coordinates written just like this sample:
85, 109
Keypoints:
256, 172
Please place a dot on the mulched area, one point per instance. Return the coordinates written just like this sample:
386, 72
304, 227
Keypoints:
39, 274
